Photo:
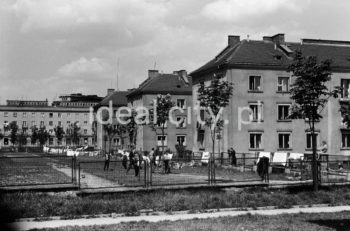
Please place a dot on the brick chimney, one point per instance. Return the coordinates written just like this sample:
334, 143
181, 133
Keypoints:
110, 91
233, 40
152, 74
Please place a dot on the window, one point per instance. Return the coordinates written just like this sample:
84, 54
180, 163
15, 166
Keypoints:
59, 123
181, 140
42, 123
85, 141
180, 103
68, 114
33, 123
161, 138
345, 86
257, 111
59, 115
42, 114
33, 114
85, 131
283, 84
85, 123
165, 125
200, 137
283, 112
255, 83
15, 114
50, 141
284, 141
50, 115
24, 124
24, 114
51, 131
309, 140
6, 141
183, 123
116, 141
255, 140
345, 140
50, 123
6, 114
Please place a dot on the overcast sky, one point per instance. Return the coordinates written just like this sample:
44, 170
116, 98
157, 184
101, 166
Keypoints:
54, 47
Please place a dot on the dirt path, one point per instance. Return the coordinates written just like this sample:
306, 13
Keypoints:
88, 180
27, 225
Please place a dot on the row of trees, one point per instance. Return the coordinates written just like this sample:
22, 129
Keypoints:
40, 135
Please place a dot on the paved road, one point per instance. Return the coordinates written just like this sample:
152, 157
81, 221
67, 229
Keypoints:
27, 225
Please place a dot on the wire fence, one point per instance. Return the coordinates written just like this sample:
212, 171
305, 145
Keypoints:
199, 169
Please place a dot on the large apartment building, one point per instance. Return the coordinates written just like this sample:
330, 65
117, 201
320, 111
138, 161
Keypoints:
28, 113
258, 70
179, 86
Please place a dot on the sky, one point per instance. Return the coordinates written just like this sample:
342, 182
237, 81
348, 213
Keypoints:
54, 47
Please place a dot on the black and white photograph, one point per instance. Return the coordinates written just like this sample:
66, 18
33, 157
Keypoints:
175, 115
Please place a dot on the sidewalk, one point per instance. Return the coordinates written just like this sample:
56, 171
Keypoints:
115, 218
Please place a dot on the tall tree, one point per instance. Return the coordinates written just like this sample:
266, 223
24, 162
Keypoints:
163, 105
310, 94
132, 128
59, 132
213, 99
34, 136
73, 133
43, 135
110, 131
22, 136
13, 132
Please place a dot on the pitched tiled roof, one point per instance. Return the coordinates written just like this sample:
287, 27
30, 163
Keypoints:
163, 84
118, 99
265, 54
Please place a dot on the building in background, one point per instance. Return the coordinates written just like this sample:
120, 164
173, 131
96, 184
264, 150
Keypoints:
179, 86
71, 109
116, 99
258, 70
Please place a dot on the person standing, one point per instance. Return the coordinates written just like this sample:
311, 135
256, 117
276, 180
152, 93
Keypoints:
131, 159
107, 161
232, 155
125, 160
167, 157
152, 157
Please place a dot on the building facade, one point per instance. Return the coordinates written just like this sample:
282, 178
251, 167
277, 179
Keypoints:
258, 110
179, 86
110, 104
29, 113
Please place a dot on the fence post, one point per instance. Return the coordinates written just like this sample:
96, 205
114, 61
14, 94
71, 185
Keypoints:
243, 162
145, 174
79, 175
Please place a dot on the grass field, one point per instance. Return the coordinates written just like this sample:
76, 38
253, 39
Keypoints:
30, 204
32, 170
291, 222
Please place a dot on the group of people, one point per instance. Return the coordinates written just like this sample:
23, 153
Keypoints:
136, 159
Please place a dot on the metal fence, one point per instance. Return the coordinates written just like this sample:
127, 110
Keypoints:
17, 170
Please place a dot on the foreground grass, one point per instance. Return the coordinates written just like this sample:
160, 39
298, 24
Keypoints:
310, 222
30, 204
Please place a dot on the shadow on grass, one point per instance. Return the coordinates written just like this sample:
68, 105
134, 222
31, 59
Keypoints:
339, 225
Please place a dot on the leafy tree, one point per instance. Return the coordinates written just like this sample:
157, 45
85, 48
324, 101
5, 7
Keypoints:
213, 99
110, 131
132, 128
94, 131
22, 137
43, 135
73, 133
310, 94
163, 105
59, 132
34, 137
13, 129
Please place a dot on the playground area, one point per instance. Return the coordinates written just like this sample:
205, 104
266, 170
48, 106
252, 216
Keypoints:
23, 169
